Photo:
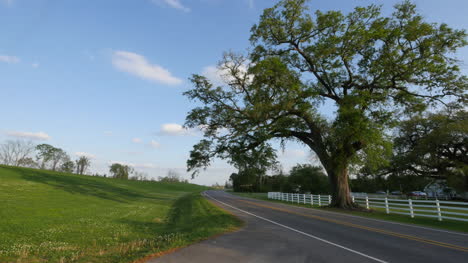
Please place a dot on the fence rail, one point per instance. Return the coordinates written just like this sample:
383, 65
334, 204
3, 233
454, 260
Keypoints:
420, 208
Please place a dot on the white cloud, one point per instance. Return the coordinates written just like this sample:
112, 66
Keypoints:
154, 144
35, 65
138, 65
174, 129
9, 59
29, 135
108, 133
174, 4
213, 74
136, 140
85, 154
219, 75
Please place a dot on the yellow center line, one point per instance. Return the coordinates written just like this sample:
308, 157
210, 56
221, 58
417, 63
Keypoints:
339, 222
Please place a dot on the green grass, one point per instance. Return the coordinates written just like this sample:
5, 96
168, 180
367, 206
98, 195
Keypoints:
54, 217
377, 213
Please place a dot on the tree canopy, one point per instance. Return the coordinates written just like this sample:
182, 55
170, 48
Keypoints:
120, 171
371, 68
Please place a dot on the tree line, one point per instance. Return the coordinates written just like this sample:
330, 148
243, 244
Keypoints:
23, 153
425, 148
302, 178
43, 156
126, 172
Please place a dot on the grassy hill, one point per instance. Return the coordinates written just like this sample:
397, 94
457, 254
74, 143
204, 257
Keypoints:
55, 217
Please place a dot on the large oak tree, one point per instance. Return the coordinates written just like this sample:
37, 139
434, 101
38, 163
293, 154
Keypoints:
370, 67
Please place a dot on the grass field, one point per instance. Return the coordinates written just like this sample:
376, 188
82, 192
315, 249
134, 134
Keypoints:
377, 214
56, 217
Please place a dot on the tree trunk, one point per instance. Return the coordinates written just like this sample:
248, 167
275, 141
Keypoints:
339, 182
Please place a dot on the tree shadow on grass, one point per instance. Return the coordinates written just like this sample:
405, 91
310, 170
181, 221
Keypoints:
186, 216
82, 185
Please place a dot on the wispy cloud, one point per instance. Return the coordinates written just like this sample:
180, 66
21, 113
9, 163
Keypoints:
154, 144
35, 65
136, 140
174, 129
42, 136
85, 154
9, 59
139, 66
176, 4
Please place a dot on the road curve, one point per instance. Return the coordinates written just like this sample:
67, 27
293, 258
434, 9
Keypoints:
277, 232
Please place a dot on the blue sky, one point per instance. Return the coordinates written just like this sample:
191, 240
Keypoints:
104, 78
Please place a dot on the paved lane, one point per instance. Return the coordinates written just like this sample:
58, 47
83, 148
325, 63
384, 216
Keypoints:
281, 233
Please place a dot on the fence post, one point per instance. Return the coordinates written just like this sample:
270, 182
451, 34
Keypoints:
410, 202
387, 209
329, 199
367, 202
304, 197
320, 201
439, 213
311, 199
352, 197
298, 197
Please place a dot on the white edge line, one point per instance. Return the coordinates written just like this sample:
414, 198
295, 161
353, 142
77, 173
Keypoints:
298, 231
361, 217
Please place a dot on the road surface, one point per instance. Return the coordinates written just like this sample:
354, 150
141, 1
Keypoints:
277, 232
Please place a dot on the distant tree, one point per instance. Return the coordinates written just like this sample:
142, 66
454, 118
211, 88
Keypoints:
15, 152
120, 171
139, 176
68, 166
82, 164
252, 166
371, 67
308, 178
172, 177
58, 156
244, 180
45, 153
27, 162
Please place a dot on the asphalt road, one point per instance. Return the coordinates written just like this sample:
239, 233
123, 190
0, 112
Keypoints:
277, 232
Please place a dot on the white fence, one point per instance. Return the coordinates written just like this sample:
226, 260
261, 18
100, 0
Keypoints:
424, 208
